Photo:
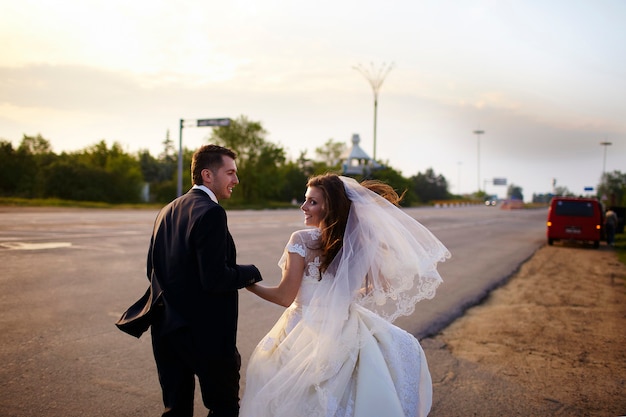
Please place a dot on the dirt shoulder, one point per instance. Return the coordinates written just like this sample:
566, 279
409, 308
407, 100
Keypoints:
550, 342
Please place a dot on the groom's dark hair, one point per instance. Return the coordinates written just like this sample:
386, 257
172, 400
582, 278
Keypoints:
208, 157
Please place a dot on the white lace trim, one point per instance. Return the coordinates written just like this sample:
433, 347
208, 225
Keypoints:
297, 248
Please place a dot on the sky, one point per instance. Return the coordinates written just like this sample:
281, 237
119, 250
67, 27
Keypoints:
544, 80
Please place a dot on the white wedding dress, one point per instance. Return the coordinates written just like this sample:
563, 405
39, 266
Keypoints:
335, 352
376, 369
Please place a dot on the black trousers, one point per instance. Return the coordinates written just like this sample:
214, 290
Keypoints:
179, 358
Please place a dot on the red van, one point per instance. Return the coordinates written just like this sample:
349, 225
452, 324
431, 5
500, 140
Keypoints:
576, 219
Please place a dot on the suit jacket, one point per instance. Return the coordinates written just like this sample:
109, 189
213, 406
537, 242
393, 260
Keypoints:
194, 276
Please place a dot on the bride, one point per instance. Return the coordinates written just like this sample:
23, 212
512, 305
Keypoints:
335, 352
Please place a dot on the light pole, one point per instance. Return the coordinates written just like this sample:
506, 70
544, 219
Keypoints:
605, 144
458, 175
478, 133
375, 79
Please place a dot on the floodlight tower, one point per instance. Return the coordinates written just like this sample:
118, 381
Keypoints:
375, 78
605, 144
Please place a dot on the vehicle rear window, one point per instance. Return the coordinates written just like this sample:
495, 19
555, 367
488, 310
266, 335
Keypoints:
574, 208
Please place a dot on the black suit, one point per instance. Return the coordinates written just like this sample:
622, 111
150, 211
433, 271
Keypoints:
192, 260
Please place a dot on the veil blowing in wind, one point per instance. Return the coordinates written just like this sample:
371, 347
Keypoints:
335, 351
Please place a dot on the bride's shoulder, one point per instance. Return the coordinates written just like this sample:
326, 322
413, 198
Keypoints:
303, 240
305, 235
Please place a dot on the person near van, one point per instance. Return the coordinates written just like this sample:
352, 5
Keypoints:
610, 225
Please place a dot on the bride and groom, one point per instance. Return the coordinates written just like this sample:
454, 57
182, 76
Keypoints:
360, 264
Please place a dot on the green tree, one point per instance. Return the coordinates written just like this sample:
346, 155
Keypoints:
97, 173
398, 182
33, 155
10, 172
151, 168
35, 145
169, 154
306, 165
330, 154
612, 188
430, 186
160, 173
268, 167
259, 162
294, 182
125, 179
71, 179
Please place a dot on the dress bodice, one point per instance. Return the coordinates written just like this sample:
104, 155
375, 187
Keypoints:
306, 244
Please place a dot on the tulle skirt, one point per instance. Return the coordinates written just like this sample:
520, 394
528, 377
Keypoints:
371, 369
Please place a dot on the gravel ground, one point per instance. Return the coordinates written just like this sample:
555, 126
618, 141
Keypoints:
550, 342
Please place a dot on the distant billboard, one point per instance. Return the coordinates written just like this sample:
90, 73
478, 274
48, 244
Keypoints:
499, 181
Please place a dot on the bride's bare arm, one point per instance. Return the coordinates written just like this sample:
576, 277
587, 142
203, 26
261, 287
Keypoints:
285, 292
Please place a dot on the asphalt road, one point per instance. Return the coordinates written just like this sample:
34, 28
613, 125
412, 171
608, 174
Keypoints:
67, 275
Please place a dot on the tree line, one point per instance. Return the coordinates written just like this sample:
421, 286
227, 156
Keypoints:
106, 173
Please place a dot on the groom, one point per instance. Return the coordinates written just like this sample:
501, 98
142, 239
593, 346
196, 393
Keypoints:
192, 262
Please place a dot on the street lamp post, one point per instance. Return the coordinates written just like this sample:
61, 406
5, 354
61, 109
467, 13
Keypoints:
179, 179
458, 179
375, 79
605, 144
478, 133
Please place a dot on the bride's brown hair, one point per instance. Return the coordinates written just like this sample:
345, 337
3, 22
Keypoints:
336, 207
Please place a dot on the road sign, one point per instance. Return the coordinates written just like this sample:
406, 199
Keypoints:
588, 188
499, 181
213, 122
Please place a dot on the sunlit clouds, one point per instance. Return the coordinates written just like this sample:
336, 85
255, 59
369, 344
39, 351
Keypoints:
544, 80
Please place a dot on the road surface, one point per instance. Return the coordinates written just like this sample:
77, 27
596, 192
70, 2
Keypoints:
67, 275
